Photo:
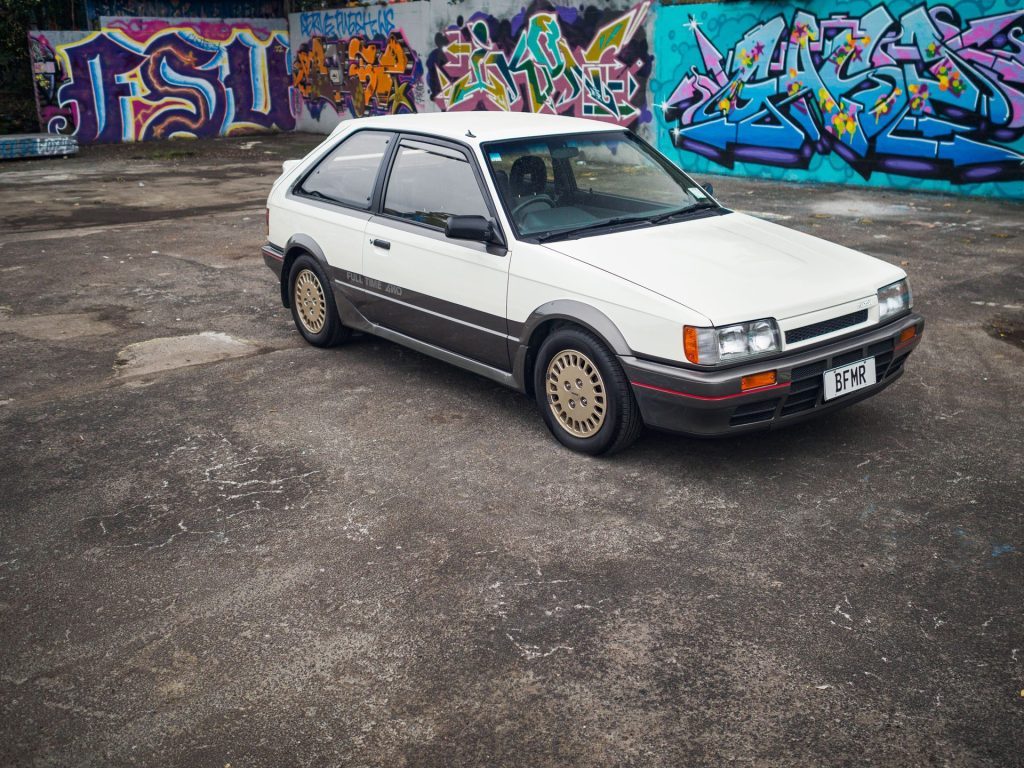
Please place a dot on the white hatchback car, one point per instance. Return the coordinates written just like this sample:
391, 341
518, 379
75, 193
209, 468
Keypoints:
568, 259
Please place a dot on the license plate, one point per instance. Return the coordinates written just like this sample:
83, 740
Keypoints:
849, 378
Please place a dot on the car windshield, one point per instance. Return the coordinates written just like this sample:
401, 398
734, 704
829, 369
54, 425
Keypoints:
565, 185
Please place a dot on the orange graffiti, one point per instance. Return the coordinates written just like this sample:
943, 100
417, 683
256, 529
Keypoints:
371, 76
305, 64
375, 79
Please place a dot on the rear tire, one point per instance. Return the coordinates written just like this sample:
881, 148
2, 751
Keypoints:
312, 302
584, 396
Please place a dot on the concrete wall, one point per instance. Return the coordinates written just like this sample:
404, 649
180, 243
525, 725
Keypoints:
96, 10
145, 78
880, 92
356, 62
898, 93
48, 75
592, 61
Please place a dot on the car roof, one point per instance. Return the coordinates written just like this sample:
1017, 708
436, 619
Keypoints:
479, 127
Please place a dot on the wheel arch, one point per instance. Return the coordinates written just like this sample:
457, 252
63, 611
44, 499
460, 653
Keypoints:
557, 314
297, 246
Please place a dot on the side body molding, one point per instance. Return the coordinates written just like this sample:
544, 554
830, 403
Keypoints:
520, 334
571, 311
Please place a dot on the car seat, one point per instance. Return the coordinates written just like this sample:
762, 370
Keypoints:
529, 176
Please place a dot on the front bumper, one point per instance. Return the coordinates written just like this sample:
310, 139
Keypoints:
711, 403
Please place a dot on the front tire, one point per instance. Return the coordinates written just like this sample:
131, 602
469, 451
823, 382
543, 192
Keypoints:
312, 303
583, 394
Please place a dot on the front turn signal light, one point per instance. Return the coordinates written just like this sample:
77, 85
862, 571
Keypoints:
690, 346
907, 334
756, 380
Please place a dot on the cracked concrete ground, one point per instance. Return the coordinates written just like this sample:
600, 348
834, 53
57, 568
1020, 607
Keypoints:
220, 545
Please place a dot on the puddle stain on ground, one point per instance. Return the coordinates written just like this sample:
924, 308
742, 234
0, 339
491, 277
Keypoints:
56, 327
1004, 328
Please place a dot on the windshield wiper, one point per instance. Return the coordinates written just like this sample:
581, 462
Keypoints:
543, 237
550, 235
698, 206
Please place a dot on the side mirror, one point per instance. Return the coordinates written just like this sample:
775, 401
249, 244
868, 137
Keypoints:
469, 228
709, 188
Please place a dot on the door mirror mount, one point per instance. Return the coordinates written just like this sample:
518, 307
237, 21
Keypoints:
476, 228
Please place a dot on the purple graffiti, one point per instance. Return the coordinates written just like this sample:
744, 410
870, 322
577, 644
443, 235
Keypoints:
117, 87
588, 63
48, 74
929, 94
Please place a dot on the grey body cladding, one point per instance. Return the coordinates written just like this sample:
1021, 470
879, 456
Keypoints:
461, 330
457, 334
353, 292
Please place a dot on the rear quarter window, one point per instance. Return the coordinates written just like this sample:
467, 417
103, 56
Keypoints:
348, 174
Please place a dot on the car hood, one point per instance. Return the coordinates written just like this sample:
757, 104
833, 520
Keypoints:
734, 267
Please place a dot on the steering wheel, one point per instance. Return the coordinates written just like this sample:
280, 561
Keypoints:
545, 199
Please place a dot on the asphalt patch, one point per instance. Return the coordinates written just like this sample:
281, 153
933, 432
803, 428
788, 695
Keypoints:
165, 354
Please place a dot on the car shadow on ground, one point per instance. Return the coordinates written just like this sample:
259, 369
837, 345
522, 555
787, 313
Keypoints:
839, 431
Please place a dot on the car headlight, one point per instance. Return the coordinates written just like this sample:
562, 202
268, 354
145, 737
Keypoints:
711, 346
894, 299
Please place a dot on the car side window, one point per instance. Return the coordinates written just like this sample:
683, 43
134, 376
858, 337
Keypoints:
429, 183
348, 173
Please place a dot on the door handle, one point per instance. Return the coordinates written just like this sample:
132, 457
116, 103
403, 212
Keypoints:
381, 243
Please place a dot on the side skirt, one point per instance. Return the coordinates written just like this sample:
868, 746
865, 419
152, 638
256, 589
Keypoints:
354, 319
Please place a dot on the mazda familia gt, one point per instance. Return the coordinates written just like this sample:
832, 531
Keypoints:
568, 259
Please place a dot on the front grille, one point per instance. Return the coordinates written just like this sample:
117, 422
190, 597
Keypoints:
751, 413
897, 364
826, 326
805, 389
883, 356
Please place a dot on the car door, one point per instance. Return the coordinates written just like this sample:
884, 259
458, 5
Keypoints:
447, 292
332, 202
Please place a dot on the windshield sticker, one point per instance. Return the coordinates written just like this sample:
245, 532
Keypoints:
495, 157
697, 192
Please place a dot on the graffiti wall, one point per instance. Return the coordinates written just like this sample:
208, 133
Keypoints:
565, 60
356, 62
899, 93
142, 78
95, 10
48, 74
914, 93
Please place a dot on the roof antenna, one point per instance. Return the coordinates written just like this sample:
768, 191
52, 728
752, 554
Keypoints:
470, 134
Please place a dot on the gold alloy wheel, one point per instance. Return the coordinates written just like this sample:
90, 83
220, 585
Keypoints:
576, 393
309, 300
